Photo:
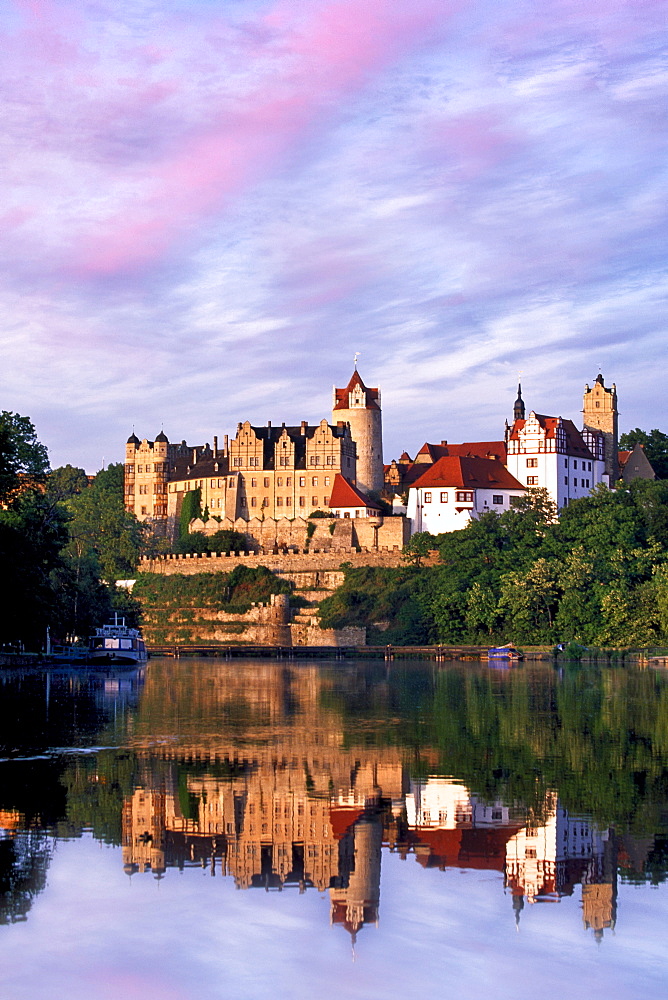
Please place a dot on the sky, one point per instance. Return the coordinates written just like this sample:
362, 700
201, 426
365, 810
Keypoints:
208, 207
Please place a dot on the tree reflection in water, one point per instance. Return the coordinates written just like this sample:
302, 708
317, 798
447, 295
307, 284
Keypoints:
287, 776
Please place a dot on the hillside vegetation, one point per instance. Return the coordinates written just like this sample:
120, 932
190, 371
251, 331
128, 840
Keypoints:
598, 575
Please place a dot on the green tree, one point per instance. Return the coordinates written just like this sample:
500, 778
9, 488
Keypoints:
100, 526
418, 547
24, 461
66, 481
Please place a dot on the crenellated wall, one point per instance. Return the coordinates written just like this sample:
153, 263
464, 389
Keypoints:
328, 533
283, 564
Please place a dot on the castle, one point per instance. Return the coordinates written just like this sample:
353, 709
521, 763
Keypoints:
267, 478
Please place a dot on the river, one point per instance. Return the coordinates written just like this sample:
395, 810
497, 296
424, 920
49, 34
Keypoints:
259, 828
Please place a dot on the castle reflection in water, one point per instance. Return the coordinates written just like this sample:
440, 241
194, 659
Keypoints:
259, 782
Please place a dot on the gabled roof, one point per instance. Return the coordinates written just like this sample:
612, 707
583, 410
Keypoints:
574, 442
341, 395
344, 494
468, 473
469, 449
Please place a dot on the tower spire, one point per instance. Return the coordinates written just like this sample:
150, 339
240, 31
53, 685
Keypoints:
518, 409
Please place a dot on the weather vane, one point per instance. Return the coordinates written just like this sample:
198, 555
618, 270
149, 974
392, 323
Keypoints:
357, 354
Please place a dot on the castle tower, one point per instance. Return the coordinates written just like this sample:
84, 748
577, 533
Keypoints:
360, 407
518, 409
600, 414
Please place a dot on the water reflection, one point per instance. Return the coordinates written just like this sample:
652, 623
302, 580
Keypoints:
296, 776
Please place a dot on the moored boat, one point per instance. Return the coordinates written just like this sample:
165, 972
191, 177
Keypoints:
507, 652
116, 644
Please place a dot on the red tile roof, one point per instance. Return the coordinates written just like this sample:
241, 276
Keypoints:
469, 473
341, 395
469, 449
574, 442
344, 494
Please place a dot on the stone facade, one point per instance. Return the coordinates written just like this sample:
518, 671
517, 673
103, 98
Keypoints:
600, 415
317, 534
360, 407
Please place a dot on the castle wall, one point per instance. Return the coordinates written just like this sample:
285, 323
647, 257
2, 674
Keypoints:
328, 534
283, 564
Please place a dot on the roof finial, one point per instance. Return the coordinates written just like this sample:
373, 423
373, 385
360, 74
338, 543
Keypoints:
357, 354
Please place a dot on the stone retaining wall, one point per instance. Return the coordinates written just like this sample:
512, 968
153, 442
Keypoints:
282, 563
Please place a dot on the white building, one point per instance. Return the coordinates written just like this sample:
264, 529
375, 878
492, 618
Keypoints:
550, 452
455, 490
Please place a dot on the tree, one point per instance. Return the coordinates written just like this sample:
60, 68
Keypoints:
101, 526
655, 445
419, 545
66, 481
24, 461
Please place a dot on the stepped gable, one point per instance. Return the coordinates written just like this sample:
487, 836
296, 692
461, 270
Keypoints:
468, 473
344, 494
575, 444
342, 396
299, 434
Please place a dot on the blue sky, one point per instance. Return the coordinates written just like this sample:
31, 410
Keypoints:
208, 208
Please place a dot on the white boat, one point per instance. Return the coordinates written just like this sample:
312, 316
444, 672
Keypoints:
116, 644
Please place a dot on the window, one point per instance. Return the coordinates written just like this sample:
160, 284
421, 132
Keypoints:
515, 501
279, 501
279, 481
444, 497
575, 482
315, 460
597, 404
232, 484
497, 498
221, 483
565, 480
302, 480
588, 469
497, 814
143, 488
331, 460
314, 481
464, 496
253, 482
253, 502
532, 463
325, 501
253, 460
327, 480
427, 497
532, 480
236, 460
266, 482
283, 460
302, 501
243, 501
314, 501
575, 463
288, 501
346, 513
143, 510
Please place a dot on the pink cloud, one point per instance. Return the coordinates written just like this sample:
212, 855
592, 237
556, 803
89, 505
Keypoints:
306, 67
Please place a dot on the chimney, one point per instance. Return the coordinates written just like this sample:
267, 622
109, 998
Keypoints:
443, 444
194, 456
225, 445
215, 446
303, 427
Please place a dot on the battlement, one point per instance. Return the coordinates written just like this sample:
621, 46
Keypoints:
306, 560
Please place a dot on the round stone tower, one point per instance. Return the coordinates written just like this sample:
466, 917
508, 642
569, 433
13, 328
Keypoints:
360, 407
